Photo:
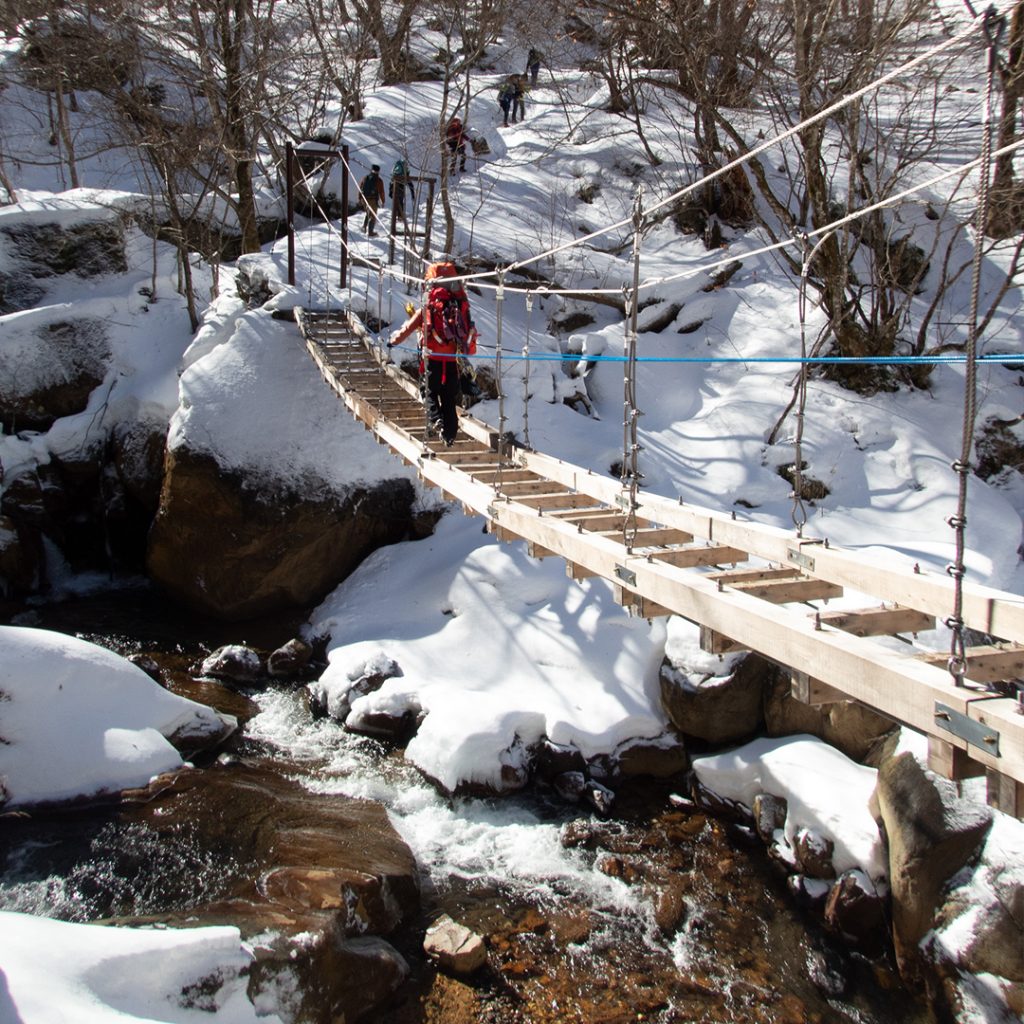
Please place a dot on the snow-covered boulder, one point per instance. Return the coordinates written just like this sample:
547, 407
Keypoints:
79, 721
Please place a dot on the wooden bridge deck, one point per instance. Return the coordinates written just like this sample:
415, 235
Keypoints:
748, 586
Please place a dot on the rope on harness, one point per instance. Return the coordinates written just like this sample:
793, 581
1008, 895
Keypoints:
630, 447
993, 27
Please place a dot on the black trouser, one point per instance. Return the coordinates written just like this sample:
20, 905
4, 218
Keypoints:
443, 392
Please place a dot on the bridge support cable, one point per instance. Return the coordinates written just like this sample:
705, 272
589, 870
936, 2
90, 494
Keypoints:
526, 371
799, 513
503, 439
630, 473
993, 28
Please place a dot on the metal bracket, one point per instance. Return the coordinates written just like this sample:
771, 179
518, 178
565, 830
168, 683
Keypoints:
975, 733
626, 575
799, 558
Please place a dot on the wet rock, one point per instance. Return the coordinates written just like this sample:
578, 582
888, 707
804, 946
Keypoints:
813, 853
137, 450
554, 759
19, 560
233, 663
570, 785
311, 860
659, 758
454, 947
148, 665
323, 976
670, 907
825, 972
857, 912
382, 725
600, 797
769, 815
236, 548
809, 893
932, 834
719, 806
291, 659
717, 709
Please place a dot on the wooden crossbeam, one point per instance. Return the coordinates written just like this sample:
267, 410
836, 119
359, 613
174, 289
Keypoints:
698, 554
806, 588
879, 621
639, 605
991, 663
809, 690
659, 536
563, 499
717, 643
578, 572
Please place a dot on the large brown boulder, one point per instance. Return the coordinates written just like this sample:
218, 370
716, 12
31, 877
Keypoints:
932, 833
717, 709
861, 734
50, 371
313, 879
235, 547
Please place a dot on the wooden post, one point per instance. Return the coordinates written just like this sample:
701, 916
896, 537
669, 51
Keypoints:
344, 216
289, 178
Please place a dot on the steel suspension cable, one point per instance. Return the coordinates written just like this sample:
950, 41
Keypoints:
958, 650
630, 413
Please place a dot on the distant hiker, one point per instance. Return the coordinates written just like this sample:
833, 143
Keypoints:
533, 59
448, 334
518, 98
371, 194
505, 93
397, 186
455, 136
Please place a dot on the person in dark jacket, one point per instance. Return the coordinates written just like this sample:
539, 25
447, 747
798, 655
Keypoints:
371, 194
505, 93
533, 59
518, 98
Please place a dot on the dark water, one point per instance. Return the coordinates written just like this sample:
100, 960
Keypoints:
658, 913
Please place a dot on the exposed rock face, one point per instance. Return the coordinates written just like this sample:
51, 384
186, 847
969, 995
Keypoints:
218, 546
932, 834
721, 709
323, 877
861, 734
35, 252
50, 371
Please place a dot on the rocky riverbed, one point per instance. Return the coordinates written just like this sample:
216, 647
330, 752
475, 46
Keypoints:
657, 912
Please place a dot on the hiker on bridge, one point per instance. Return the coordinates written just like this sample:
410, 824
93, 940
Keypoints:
448, 334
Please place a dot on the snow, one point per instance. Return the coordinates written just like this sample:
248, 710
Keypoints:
496, 648
80, 721
825, 791
56, 971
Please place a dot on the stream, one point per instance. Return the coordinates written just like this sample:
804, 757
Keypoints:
657, 912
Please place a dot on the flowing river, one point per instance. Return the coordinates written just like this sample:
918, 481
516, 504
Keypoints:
654, 913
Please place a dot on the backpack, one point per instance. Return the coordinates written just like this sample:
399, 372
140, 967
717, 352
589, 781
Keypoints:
368, 186
451, 326
399, 171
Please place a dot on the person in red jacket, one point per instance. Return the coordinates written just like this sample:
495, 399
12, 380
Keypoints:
449, 333
455, 134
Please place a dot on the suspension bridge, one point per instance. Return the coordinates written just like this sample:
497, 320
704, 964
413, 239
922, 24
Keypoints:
748, 586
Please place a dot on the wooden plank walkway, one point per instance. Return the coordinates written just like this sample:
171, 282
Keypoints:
748, 586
